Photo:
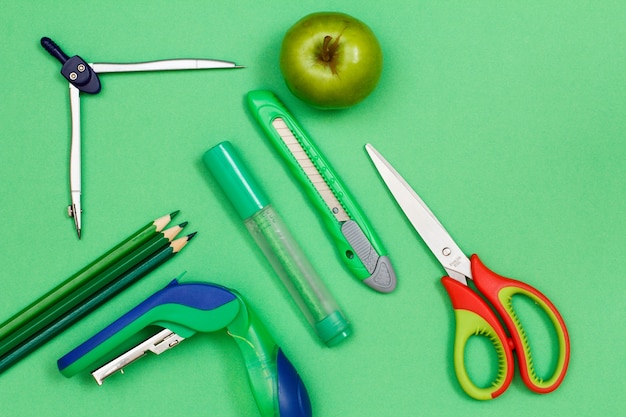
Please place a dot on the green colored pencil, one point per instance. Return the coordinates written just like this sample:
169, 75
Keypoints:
128, 278
97, 282
82, 277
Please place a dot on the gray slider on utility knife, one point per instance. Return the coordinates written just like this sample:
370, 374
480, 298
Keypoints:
83, 77
358, 245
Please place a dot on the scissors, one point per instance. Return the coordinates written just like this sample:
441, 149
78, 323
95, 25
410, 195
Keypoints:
473, 315
83, 77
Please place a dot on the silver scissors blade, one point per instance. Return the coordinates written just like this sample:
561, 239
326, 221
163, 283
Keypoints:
163, 65
441, 244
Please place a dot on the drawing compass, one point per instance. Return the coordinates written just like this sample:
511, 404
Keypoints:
83, 77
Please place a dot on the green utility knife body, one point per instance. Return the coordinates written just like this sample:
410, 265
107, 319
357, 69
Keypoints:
358, 245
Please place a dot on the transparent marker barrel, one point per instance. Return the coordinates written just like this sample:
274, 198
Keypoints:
278, 245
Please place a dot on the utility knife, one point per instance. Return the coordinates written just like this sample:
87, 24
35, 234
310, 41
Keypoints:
358, 245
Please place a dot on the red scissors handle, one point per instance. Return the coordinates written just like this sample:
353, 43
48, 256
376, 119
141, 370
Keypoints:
500, 291
474, 317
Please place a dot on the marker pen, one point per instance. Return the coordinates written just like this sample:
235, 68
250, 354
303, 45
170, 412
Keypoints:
279, 247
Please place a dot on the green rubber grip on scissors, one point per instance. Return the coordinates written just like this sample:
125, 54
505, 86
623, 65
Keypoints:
474, 318
371, 265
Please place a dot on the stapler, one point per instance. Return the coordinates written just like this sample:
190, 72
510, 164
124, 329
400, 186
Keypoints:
181, 310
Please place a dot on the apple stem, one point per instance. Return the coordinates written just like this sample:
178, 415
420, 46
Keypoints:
327, 49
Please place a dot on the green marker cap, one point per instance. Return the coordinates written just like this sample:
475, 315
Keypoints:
238, 184
333, 329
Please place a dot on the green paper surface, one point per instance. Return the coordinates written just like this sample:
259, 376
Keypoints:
506, 117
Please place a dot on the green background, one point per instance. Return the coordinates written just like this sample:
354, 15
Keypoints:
507, 118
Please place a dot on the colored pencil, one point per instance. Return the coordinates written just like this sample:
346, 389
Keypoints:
97, 282
111, 290
81, 278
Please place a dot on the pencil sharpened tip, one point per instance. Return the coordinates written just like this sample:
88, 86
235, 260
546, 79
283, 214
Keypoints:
183, 224
173, 214
191, 235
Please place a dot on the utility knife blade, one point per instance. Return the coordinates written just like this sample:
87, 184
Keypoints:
358, 245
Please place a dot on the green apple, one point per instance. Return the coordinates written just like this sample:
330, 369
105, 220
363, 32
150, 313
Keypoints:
331, 60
